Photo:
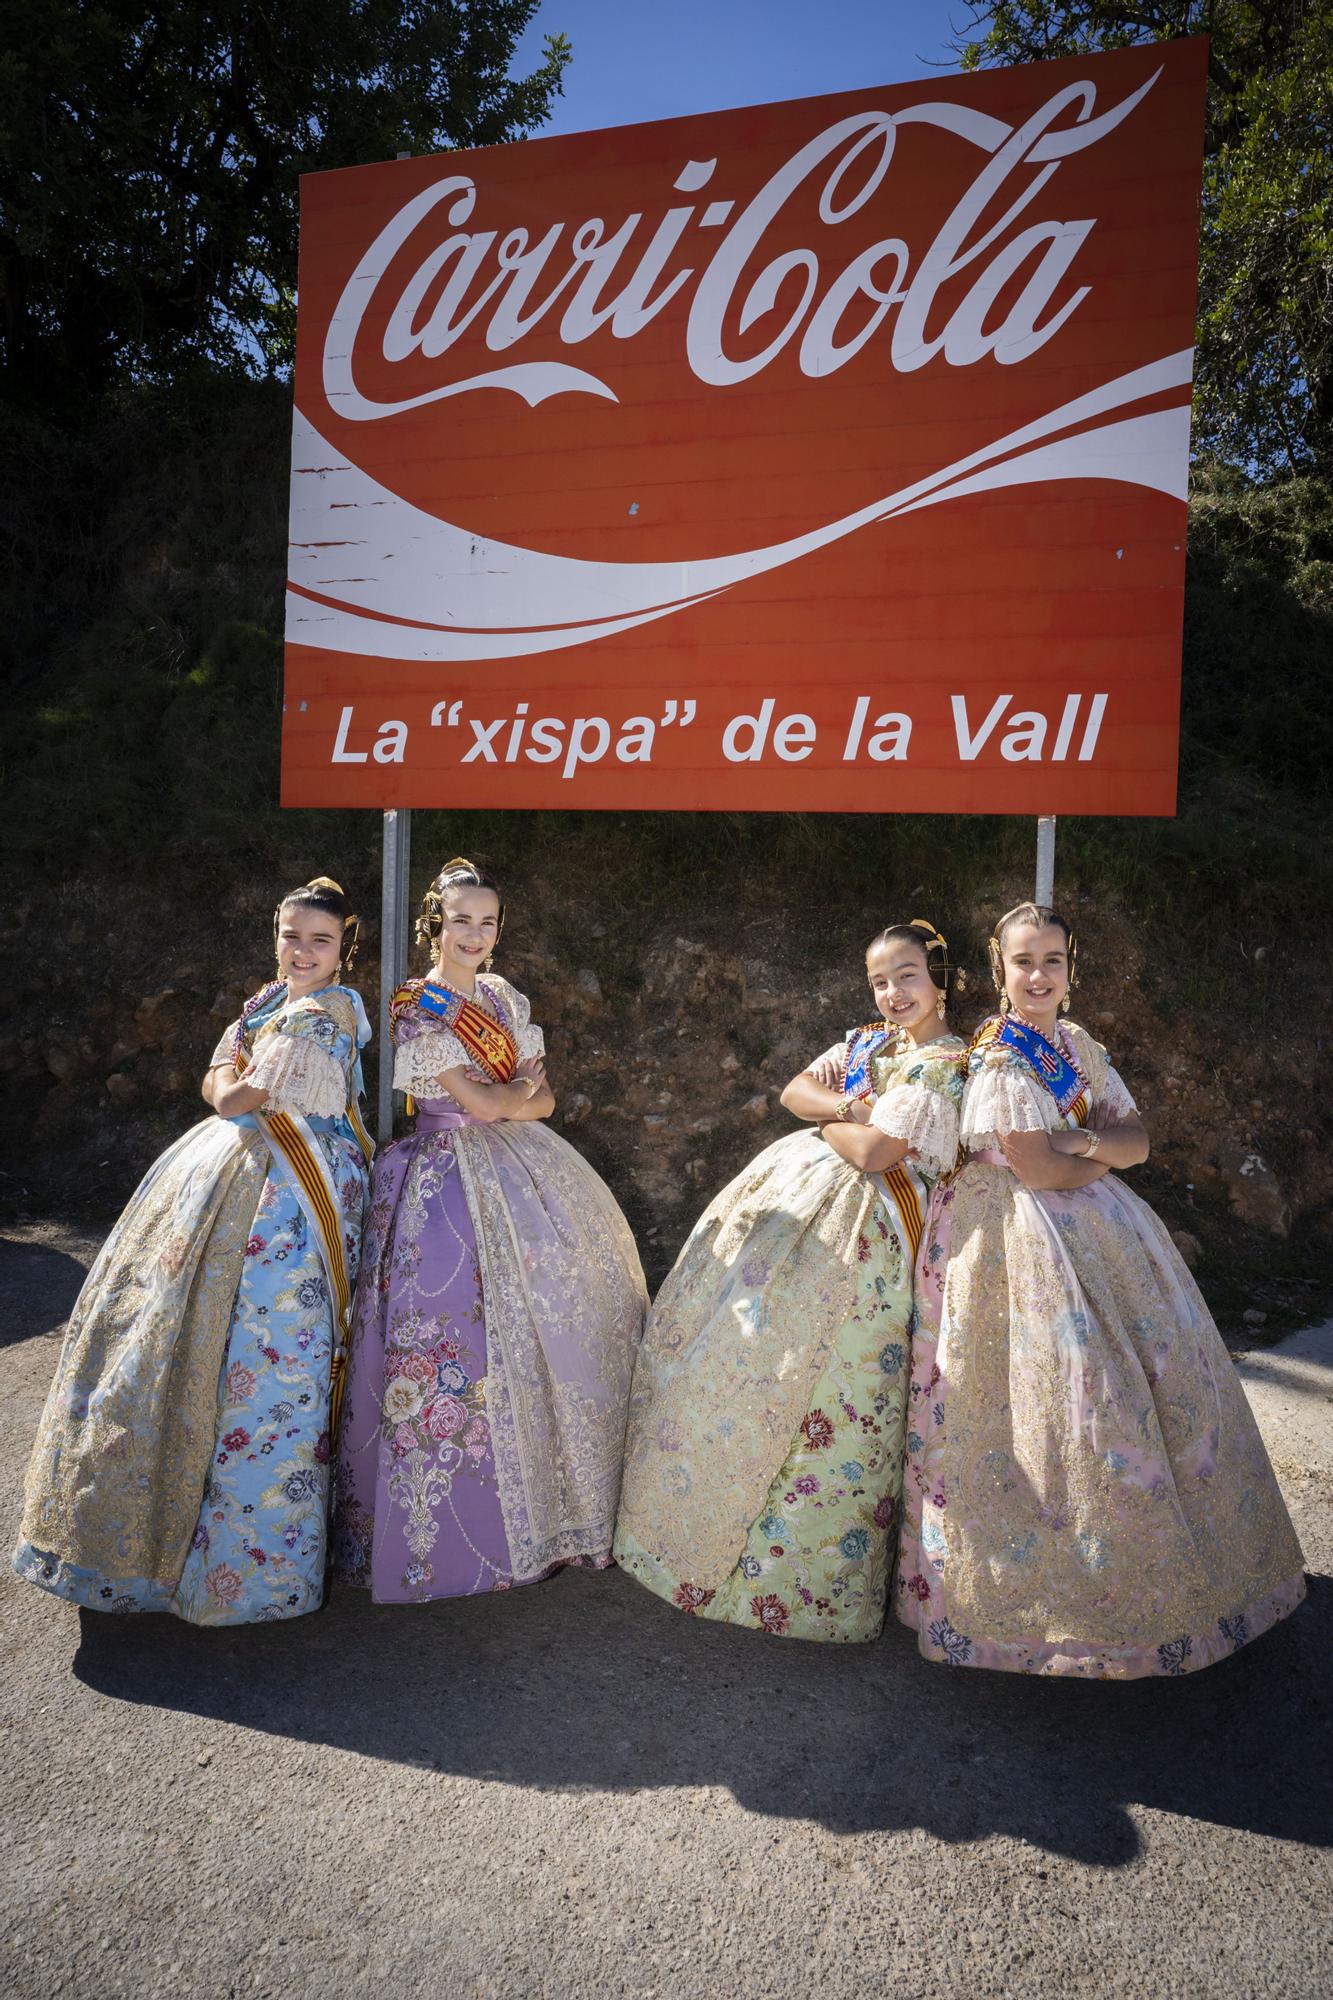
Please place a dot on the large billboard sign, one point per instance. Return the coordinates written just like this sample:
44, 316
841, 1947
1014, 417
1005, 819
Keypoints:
826, 455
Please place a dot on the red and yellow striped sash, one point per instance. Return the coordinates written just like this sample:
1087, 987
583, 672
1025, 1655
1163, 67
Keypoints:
318, 1197
490, 1045
487, 1041
906, 1199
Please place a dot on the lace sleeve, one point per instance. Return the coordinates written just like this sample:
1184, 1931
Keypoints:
529, 1039
1115, 1095
225, 1050
418, 1063
927, 1119
299, 1075
999, 1098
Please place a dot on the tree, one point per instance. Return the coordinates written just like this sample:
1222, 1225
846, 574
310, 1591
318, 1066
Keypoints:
1264, 367
151, 157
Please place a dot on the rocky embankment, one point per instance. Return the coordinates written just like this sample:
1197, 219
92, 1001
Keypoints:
669, 1046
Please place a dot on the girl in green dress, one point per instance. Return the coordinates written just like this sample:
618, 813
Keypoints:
764, 1459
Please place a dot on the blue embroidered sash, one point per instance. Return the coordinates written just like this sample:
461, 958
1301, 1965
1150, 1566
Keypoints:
1049, 1064
862, 1048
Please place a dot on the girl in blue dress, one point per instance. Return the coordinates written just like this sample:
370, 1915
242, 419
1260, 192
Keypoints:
182, 1461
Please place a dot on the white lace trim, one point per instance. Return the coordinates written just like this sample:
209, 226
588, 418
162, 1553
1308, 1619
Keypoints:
225, 1050
925, 1118
298, 1076
417, 1064
518, 1007
1116, 1097
1001, 1098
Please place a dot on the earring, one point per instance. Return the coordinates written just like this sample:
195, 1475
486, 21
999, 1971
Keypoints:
1004, 1003
940, 1006
1064, 1004
488, 961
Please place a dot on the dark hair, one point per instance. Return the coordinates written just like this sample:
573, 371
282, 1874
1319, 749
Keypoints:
456, 874
1041, 916
323, 893
935, 949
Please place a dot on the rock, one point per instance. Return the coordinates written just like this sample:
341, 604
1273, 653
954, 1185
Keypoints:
576, 1107
204, 1759
123, 1050
121, 1089
755, 1107
62, 1061
1253, 1190
731, 1062
152, 1017
1189, 1247
655, 1121
703, 1126
1253, 1317
588, 983
1105, 1019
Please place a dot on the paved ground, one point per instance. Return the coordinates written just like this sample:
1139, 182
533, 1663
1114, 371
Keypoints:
573, 1790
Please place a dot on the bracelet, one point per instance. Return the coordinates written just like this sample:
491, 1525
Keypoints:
1094, 1141
844, 1106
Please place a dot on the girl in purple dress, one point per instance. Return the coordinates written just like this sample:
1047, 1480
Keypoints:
500, 1306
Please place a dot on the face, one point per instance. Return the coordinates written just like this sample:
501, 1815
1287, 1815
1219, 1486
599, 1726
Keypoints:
903, 989
471, 927
309, 947
1036, 970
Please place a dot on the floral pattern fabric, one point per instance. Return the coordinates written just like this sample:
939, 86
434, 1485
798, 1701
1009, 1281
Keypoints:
765, 1449
1086, 1489
182, 1461
492, 1351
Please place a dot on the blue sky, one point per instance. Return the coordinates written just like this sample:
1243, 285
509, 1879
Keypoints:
637, 59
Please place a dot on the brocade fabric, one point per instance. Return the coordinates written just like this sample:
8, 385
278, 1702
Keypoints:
181, 1463
1086, 1489
763, 1462
492, 1353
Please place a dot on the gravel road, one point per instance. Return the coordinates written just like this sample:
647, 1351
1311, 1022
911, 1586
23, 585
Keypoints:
573, 1790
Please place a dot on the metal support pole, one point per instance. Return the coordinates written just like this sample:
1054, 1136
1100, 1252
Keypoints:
393, 951
1045, 889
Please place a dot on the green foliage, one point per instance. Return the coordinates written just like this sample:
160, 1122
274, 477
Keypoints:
151, 158
1264, 368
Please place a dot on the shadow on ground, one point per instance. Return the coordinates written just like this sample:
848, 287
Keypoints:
38, 1286
588, 1682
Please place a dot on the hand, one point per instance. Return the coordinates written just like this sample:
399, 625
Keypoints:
532, 1071
827, 1072
858, 1112
1100, 1118
1031, 1155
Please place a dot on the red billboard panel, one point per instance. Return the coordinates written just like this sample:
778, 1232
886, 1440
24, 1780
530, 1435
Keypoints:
826, 455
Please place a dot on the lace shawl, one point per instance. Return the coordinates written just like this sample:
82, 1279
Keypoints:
1003, 1095
421, 1055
